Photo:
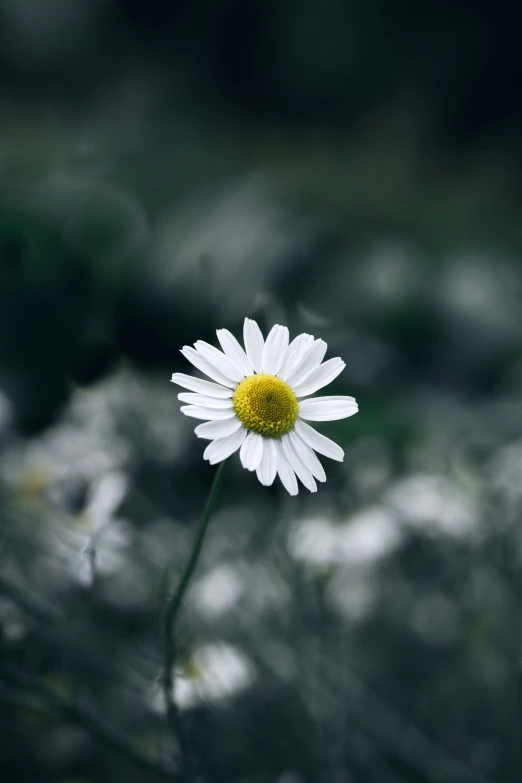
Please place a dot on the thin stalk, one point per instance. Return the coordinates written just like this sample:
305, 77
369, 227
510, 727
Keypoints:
171, 616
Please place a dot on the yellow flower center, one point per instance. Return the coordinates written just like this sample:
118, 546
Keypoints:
266, 405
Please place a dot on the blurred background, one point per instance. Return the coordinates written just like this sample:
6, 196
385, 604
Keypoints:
351, 169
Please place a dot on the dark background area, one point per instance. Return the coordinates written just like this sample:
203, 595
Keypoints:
351, 169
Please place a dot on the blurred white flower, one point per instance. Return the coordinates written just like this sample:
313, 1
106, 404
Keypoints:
214, 672
218, 591
435, 503
363, 539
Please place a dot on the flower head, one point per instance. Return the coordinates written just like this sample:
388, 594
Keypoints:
256, 403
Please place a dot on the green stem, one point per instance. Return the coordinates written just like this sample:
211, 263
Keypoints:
173, 609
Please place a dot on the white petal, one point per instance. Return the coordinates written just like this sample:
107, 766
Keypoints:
217, 429
218, 359
253, 344
274, 351
302, 472
285, 471
312, 358
205, 402
295, 353
327, 408
199, 385
234, 351
205, 366
308, 456
251, 451
209, 414
321, 376
267, 469
319, 442
222, 448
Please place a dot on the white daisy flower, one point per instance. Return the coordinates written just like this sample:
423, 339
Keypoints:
255, 403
